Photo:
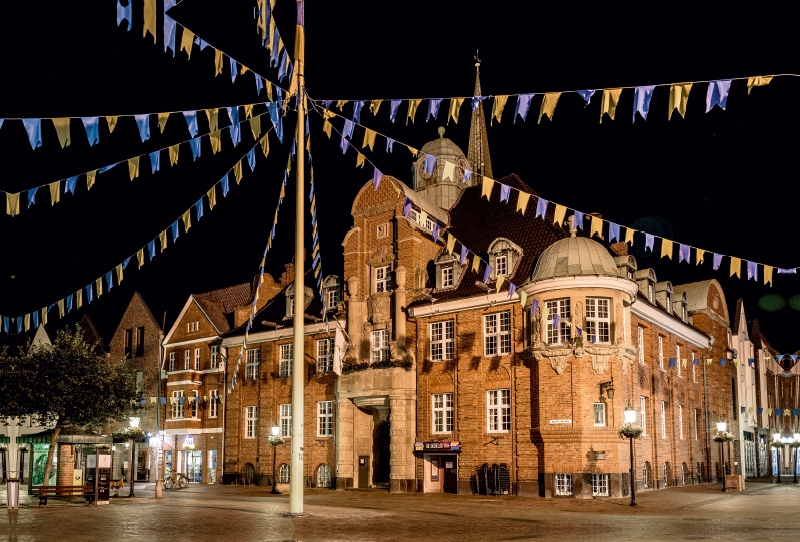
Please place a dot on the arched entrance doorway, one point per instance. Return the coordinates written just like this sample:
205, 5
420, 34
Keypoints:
380, 453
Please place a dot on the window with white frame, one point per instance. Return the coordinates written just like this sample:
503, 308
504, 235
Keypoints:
680, 422
678, 358
213, 408
666, 473
286, 420
563, 484
442, 340
214, 356
187, 359
177, 404
498, 411
325, 355
501, 265
250, 422
645, 476
283, 474
196, 359
194, 398
560, 334
252, 363
379, 346
640, 342
598, 320
442, 408
325, 419
663, 419
695, 420
600, 485
643, 413
286, 360
289, 305
171, 361
497, 333
650, 291
382, 279
193, 326
599, 410
447, 276
661, 352
331, 298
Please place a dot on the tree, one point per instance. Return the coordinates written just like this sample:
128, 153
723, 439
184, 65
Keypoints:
69, 383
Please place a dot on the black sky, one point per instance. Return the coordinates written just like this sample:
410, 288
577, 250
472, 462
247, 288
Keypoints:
721, 181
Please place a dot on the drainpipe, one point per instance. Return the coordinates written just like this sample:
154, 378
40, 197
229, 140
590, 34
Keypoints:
705, 406
223, 352
416, 405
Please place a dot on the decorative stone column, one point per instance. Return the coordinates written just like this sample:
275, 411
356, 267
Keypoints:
399, 305
356, 315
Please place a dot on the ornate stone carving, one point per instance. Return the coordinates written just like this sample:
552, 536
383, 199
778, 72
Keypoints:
557, 356
598, 354
379, 306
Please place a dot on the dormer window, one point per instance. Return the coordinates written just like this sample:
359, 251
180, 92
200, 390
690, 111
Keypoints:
290, 305
448, 270
331, 292
646, 279
501, 265
626, 266
447, 276
504, 256
650, 292
290, 299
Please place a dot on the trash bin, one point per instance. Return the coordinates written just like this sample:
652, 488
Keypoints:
12, 493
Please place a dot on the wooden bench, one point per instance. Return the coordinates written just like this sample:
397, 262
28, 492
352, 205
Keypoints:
43, 492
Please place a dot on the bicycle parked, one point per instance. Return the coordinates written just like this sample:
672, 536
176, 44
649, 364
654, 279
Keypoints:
176, 479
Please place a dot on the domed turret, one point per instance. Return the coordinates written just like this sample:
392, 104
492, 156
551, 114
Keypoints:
574, 256
442, 192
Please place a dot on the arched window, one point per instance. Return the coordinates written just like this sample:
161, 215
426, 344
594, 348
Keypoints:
504, 256
684, 473
324, 477
331, 289
448, 270
666, 473
283, 474
290, 295
646, 474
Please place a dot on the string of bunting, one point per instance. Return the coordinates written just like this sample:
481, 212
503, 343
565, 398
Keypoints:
597, 225
95, 288
716, 95
13, 199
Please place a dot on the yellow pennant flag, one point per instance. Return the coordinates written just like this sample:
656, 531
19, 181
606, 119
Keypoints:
359, 160
119, 273
548, 106
455, 107
768, 275
216, 141
487, 187
62, 130
374, 105
79, 298
44, 315
186, 41
340, 104
700, 254
90, 178
265, 145
522, 201
449, 171
243, 70
288, 166
596, 227
313, 204
412, 110
369, 139
451, 242
133, 167
149, 19
187, 220
678, 98
27, 321
629, 235
708, 361
217, 62
140, 257
61, 308
55, 192
413, 151
326, 125
499, 284
213, 119
736, 267
559, 214
212, 197
758, 81
162, 121
523, 298
545, 313
476, 263
112, 123
173, 154
98, 286
497, 107
275, 220
316, 271
248, 109
162, 239
12, 203
237, 171
255, 126
283, 192
608, 105
685, 362
314, 252
666, 248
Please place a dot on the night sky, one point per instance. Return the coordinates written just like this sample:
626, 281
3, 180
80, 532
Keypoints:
720, 181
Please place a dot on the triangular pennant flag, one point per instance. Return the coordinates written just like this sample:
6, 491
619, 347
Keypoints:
522, 202
255, 126
451, 242
90, 178
62, 130
187, 220
32, 196
548, 106
133, 167
162, 240
560, 213
118, 269
758, 81
499, 284
486, 190
140, 257
173, 154
523, 298
717, 94
162, 121
34, 129
476, 263
91, 124
55, 192
608, 105
237, 172
112, 123
359, 159
666, 248
143, 122
377, 176
217, 62
393, 105
455, 107
412, 110
497, 108
678, 98
374, 105
212, 197
155, 161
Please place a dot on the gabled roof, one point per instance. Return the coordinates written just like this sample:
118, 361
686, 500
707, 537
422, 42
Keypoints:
137, 297
217, 306
229, 297
697, 296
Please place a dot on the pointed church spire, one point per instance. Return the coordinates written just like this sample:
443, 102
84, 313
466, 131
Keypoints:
478, 150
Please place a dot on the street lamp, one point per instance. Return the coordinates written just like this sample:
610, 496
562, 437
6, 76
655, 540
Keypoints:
795, 445
134, 422
722, 426
275, 439
629, 415
777, 438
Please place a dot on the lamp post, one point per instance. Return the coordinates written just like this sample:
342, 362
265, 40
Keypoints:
275, 439
777, 438
134, 422
722, 426
629, 415
795, 445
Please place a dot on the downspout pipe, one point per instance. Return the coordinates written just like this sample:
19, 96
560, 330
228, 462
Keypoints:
705, 405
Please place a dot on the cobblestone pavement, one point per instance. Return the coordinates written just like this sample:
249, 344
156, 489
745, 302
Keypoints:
764, 512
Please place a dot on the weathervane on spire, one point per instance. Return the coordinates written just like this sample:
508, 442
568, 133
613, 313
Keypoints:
477, 59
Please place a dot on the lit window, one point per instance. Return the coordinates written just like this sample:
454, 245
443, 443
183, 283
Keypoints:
598, 320
196, 359
497, 333
290, 305
442, 340
213, 408
379, 345
645, 476
563, 484
214, 354
600, 485
283, 474
661, 352
498, 411
324, 355
324, 476
251, 422
286, 420
286, 360
382, 280
599, 414
640, 336
325, 419
447, 276
171, 361
331, 298
501, 265
187, 359
695, 420
442, 404
253, 358
680, 422
643, 414
663, 419
177, 404
561, 334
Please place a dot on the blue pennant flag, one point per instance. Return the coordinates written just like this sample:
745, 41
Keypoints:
433, 108
143, 122
89, 297
69, 185
511, 289
357, 105
273, 57
534, 307
406, 207
467, 175
91, 125
487, 273
224, 182
169, 28
175, 231
347, 130
789, 271
579, 218
293, 150
389, 144
34, 129
151, 247
695, 362
233, 69
251, 159
376, 178
556, 319
505, 191
5, 323
541, 207
684, 253
155, 161
125, 262
523, 105
586, 95
344, 144
259, 84
722, 362
311, 193
327, 103
191, 122
751, 362
760, 411
35, 319
430, 164
195, 145
778, 411
672, 363
19, 325
613, 232
752, 271
717, 93
124, 13
393, 109
283, 67
109, 281
199, 208
32, 196
316, 261
717, 261
274, 116
641, 101
200, 43
236, 136
435, 232
69, 303
476, 101
463, 255
648, 241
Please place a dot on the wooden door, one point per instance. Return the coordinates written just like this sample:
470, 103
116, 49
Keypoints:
450, 464
363, 471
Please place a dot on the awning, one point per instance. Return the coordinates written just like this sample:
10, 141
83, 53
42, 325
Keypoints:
69, 435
